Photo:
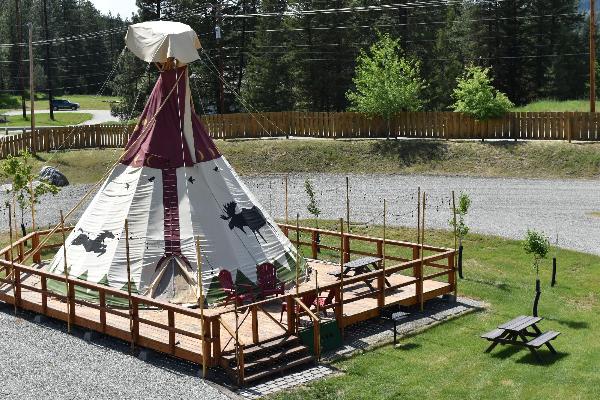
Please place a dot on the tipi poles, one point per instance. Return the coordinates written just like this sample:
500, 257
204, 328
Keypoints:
12, 260
65, 270
420, 291
201, 305
129, 284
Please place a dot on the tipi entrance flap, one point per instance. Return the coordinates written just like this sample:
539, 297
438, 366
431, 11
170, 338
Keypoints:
173, 282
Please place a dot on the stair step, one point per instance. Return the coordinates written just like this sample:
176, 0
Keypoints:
278, 368
283, 355
254, 350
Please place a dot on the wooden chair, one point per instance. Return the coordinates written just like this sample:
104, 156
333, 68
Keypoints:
311, 300
232, 292
268, 283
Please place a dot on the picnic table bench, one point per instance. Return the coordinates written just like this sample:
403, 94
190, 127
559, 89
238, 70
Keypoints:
361, 266
516, 332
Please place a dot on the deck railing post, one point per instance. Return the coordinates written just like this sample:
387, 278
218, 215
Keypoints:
44, 286
216, 337
205, 343
71, 302
135, 326
317, 338
102, 301
291, 318
17, 280
254, 311
346, 248
314, 244
171, 318
452, 274
416, 256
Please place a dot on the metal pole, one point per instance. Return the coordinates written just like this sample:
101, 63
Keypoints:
65, 270
129, 284
201, 302
31, 88
592, 56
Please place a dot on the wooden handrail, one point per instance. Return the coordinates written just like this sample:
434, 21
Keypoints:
303, 306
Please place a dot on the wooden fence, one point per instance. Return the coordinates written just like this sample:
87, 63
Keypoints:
579, 126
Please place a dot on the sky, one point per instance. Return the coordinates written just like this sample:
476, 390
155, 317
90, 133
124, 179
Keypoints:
122, 7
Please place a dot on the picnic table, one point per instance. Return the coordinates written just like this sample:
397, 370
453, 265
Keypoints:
516, 332
362, 266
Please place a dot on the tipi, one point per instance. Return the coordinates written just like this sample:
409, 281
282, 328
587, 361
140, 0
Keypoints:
172, 185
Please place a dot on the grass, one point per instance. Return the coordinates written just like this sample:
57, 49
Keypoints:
493, 159
86, 101
555, 105
448, 362
43, 119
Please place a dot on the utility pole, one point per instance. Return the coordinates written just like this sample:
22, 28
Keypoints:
592, 56
31, 87
158, 9
47, 63
218, 24
20, 55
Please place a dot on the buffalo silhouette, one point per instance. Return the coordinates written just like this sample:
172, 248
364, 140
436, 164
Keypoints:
252, 218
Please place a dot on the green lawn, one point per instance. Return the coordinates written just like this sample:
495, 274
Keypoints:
555, 105
507, 159
448, 362
86, 101
43, 119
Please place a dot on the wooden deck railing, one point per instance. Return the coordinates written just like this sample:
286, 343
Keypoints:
178, 330
568, 126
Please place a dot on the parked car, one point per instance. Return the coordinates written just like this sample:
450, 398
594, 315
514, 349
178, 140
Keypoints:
58, 104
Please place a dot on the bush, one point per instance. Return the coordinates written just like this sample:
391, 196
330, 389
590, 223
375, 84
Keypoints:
476, 96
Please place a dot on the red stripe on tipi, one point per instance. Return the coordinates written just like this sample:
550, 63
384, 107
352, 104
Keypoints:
171, 211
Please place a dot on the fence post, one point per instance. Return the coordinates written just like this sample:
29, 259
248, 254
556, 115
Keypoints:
314, 245
216, 337
171, 319
254, 324
205, 343
135, 327
291, 318
452, 274
17, 282
44, 285
71, 301
346, 247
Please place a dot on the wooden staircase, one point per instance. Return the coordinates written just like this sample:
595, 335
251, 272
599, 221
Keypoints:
267, 358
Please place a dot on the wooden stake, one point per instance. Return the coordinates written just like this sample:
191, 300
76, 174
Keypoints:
32, 192
297, 253
129, 284
286, 199
454, 219
419, 215
65, 270
348, 203
12, 258
201, 304
422, 242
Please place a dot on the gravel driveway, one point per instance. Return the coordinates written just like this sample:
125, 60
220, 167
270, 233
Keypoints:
505, 207
41, 361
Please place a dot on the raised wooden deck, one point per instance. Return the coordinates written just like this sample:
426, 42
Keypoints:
177, 330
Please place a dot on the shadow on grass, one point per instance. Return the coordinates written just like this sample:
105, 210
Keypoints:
407, 346
411, 151
571, 324
498, 285
546, 358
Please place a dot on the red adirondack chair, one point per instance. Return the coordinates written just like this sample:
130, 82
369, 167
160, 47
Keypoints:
267, 280
232, 292
311, 300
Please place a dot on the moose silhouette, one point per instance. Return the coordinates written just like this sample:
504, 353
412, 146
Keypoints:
252, 218
94, 245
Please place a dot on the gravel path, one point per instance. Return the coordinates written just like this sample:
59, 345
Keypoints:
504, 207
47, 363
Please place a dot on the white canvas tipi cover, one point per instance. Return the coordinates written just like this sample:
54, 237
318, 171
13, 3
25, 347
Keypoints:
173, 185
